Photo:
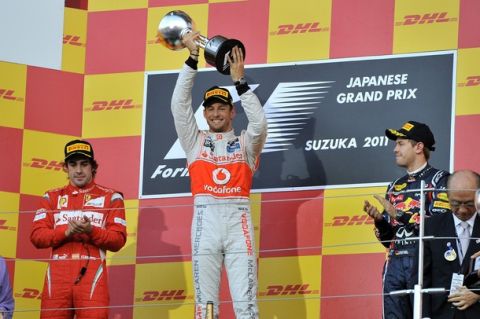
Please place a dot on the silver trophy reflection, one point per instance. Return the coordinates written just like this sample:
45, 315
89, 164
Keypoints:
175, 24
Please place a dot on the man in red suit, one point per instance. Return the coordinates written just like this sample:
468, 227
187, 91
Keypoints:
80, 222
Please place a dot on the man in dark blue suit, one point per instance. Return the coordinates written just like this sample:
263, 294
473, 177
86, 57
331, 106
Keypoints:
449, 258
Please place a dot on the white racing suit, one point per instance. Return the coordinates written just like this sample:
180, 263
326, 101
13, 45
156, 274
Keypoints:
221, 166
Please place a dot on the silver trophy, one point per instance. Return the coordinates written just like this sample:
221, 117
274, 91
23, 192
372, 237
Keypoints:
175, 24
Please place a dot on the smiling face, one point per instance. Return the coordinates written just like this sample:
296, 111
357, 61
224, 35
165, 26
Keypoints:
219, 117
80, 171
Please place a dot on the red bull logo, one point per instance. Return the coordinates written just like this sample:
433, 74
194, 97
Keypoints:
408, 205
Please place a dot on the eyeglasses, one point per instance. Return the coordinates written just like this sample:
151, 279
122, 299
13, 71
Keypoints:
455, 204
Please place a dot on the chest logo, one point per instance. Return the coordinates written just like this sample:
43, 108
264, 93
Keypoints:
62, 202
221, 176
94, 202
232, 146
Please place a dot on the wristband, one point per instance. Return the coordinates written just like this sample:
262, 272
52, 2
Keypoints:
240, 81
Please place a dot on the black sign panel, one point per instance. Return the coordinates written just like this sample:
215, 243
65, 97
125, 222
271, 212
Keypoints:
326, 120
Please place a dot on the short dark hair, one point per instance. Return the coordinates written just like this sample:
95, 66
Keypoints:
426, 150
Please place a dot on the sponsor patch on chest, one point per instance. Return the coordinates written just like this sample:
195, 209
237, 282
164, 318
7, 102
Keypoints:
233, 146
94, 202
64, 216
62, 202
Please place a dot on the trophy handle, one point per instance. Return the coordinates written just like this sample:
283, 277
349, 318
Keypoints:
201, 41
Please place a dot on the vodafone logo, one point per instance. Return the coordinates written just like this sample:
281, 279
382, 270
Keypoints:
221, 176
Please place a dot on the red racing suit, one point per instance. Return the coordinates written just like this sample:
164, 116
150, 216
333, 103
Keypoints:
221, 167
76, 275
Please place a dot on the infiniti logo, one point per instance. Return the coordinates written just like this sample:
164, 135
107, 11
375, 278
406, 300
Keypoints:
221, 176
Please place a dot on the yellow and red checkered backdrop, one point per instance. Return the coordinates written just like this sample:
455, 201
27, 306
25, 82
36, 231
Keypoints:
310, 259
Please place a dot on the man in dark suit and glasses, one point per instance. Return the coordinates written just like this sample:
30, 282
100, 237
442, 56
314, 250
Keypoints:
449, 259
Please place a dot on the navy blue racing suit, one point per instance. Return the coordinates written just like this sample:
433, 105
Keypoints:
395, 232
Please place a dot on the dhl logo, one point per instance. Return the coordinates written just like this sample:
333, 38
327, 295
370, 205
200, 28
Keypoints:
473, 80
4, 226
29, 293
427, 18
284, 290
72, 40
7, 94
354, 220
307, 27
112, 105
45, 164
154, 295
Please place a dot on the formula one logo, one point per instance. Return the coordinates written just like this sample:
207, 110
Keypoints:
288, 290
427, 18
284, 124
221, 176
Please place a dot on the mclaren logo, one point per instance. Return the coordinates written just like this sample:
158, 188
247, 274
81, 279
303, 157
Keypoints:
221, 176
288, 110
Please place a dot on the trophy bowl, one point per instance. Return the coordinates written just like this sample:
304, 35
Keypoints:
175, 24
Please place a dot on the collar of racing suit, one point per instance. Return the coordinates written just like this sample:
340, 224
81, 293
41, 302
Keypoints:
221, 136
85, 189
417, 170
412, 176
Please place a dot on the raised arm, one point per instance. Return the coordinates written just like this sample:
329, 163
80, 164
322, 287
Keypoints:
183, 116
256, 132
